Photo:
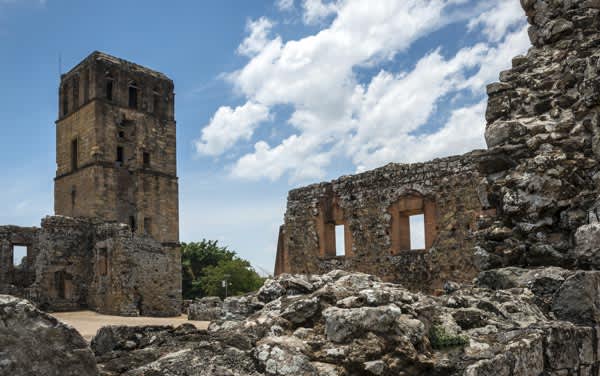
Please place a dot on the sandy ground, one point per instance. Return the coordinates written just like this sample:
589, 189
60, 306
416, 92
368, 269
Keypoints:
88, 322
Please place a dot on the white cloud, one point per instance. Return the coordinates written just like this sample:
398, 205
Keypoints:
316, 11
496, 21
285, 5
273, 162
383, 119
258, 38
228, 126
499, 58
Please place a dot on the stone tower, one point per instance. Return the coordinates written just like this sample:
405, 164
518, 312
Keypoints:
116, 147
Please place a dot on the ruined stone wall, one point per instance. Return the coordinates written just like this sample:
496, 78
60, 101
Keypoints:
18, 275
123, 167
370, 204
76, 263
543, 135
62, 266
134, 275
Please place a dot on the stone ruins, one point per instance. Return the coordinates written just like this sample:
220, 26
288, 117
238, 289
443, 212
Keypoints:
113, 244
530, 199
374, 209
510, 256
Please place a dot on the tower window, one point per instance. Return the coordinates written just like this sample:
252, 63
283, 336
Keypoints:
132, 223
146, 160
120, 154
75, 92
74, 155
109, 89
156, 107
133, 97
65, 101
73, 197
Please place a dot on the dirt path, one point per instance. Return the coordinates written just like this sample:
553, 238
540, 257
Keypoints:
87, 323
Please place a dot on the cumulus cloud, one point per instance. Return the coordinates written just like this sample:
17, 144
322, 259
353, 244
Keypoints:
316, 11
229, 125
258, 38
386, 117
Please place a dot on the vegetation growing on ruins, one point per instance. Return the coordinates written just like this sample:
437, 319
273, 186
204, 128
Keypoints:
206, 264
440, 338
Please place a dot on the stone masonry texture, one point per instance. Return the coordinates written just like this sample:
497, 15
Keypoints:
113, 244
531, 199
543, 134
76, 263
374, 207
116, 146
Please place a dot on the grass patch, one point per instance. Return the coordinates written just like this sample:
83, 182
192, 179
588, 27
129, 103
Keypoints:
440, 338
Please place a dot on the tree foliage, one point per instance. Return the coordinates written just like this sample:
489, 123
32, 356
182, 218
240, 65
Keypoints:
206, 264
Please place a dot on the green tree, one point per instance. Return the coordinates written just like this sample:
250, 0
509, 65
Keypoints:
198, 258
242, 278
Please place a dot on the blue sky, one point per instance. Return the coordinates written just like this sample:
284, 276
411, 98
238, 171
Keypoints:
270, 95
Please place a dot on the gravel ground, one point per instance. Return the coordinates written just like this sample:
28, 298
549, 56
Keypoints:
87, 322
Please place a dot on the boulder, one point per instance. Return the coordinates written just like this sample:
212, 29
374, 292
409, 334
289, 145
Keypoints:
342, 324
586, 252
206, 309
35, 343
354, 323
578, 299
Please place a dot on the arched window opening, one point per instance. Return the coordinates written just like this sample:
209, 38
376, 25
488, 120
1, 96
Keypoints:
413, 223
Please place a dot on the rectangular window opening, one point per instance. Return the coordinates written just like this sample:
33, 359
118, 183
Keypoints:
59, 284
132, 223
75, 93
109, 90
102, 261
146, 160
147, 225
74, 155
19, 254
156, 107
73, 197
65, 104
340, 240
417, 231
120, 154
133, 97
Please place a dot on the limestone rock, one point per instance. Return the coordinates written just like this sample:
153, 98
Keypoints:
587, 246
206, 309
354, 323
342, 324
34, 343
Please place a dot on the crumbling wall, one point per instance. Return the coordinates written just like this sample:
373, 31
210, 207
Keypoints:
23, 275
543, 135
62, 267
142, 277
446, 190
77, 263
